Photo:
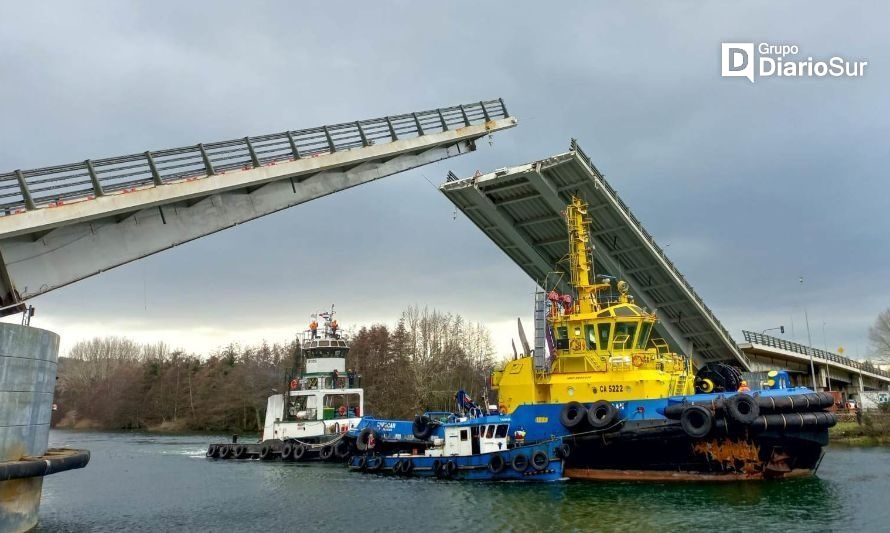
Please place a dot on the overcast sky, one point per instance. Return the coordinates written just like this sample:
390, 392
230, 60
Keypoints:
746, 186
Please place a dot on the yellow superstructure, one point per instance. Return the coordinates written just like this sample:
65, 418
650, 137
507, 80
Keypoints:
603, 345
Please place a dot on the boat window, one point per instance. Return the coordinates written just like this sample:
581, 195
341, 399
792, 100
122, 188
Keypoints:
590, 333
644, 335
502, 431
490, 432
605, 330
626, 328
562, 338
464, 434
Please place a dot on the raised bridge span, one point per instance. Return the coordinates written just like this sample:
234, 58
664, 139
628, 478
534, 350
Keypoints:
64, 223
521, 210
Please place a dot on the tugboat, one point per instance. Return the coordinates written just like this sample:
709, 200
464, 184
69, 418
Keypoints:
466, 445
630, 408
321, 404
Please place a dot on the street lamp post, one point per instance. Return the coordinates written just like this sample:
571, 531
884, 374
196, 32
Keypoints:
809, 343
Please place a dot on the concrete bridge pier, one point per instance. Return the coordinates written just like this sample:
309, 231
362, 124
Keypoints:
27, 380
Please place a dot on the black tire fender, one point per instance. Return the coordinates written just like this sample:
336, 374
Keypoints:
211, 450
364, 438
225, 451
743, 409
572, 415
563, 451
496, 464
520, 462
540, 461
601, 414
326, 452
697, 421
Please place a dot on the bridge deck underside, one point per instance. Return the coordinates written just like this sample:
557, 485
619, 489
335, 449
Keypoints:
45, 246
520, 209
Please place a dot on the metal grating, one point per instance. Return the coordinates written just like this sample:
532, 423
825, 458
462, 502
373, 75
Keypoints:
520, 209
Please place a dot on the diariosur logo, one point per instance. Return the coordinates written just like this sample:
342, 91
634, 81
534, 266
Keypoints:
783, 61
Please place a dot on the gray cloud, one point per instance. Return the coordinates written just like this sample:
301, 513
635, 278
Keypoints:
750, 185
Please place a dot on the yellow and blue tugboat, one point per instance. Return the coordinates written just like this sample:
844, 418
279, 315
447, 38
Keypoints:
629, 408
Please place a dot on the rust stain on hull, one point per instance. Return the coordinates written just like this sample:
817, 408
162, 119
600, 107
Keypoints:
665, 475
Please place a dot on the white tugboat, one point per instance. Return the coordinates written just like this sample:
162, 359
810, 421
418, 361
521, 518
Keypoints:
321, 405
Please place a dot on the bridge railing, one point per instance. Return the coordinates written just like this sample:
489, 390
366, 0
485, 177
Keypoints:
782, 344
52, 186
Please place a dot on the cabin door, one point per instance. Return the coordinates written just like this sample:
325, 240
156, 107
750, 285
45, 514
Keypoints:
474, 432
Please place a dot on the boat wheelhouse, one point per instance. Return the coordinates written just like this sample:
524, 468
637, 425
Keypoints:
322, 402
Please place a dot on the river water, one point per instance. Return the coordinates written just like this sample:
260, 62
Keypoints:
139, 482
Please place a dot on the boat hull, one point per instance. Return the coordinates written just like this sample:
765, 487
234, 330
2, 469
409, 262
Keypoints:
663, 452
477, 467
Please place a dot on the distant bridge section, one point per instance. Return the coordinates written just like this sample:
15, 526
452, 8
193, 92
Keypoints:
833, 371
64, 223
521, 210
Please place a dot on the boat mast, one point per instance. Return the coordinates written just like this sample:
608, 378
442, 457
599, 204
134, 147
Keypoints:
580, 257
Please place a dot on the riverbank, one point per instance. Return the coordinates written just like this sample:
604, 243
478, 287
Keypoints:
873, 431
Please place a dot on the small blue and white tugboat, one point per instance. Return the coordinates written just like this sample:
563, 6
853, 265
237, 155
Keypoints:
466, 446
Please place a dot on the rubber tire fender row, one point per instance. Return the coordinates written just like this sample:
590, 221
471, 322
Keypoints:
540, 461
601, 414
364, 437
697, 421
496, 464
572, 415
743, 408
520, 462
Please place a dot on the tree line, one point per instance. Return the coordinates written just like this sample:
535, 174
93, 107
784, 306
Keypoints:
115, 383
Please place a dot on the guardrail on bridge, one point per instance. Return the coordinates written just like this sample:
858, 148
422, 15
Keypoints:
22, 190
782, 344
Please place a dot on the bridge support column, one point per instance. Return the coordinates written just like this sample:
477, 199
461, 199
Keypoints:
27, 382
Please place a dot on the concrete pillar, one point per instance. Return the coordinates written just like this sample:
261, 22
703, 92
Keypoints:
27, 381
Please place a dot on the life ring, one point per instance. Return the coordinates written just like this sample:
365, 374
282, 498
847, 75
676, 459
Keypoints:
697, 421
637, 360
341, 410
520, 462
743, 409
601, 414
496, 464
540, 461
576, 345
294, 384
572, 414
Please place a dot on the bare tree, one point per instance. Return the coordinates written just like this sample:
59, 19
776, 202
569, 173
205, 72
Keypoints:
879, 335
